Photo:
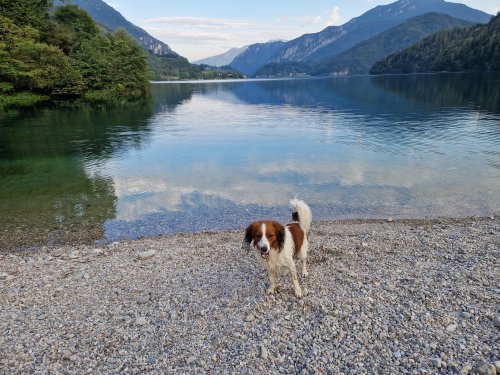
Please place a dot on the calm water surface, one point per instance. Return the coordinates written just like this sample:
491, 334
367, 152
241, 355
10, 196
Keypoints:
216, 155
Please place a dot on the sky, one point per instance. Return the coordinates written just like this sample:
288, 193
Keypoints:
202, 28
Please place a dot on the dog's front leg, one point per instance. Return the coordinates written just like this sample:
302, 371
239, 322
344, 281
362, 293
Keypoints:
271, 272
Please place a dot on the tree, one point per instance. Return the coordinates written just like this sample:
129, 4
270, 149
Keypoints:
26, 12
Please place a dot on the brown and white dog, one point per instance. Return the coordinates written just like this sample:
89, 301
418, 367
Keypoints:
276, 244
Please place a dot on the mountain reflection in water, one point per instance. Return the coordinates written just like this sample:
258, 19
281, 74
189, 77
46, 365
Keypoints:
211, 156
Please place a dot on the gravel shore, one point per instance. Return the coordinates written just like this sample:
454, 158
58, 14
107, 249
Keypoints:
382, 297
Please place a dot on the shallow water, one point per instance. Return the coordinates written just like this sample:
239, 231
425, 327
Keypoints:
216, 155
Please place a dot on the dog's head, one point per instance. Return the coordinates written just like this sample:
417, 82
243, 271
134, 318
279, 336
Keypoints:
264, 236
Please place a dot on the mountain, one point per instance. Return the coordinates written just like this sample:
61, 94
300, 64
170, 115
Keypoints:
334, 40
472, 48
112, 19
256, 55
360, 58
222, 59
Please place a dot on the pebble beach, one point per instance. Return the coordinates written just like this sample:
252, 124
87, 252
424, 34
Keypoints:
382, 297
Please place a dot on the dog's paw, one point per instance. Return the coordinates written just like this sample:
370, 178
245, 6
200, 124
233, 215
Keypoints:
270, 290
298, 293
305, 274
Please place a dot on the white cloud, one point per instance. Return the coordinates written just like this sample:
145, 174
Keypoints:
308, 20
188, 35
201, 22
334, 17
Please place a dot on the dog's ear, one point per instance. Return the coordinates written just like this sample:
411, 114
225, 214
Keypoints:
248, 237
280, 236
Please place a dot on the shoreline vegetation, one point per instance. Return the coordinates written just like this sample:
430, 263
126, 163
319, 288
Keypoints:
383, 296
52, 55
63, 55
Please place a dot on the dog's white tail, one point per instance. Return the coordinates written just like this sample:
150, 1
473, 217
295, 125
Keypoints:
301, 213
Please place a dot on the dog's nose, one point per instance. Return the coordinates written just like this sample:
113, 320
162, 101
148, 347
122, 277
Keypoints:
263, 249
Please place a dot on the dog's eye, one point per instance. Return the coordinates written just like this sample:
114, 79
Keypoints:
271, 235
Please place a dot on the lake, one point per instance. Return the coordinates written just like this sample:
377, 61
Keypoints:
217, 155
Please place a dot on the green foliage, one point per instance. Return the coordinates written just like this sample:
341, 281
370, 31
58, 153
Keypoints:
26, 12
69, 27
473, 48
65, 57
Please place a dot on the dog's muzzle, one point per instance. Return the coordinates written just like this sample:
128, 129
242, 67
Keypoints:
264, 252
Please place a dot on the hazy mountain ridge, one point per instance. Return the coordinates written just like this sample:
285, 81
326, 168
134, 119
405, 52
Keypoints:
222, 59
334, 40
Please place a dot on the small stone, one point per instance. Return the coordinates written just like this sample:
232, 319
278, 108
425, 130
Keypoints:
140, 321
97, 252
466, 369
465, 315
145, 255
364, 244
397, 355
73, 358
67, 354
191, 360
249, 318
487, 369
74, 255
496, 321
263, 352
143, 298
390, 220
451, 328
388, 288
436, 362
3, 275
57, 253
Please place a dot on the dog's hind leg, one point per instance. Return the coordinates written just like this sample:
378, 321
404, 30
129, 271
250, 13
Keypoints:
304, 269
295, 281
303, 257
